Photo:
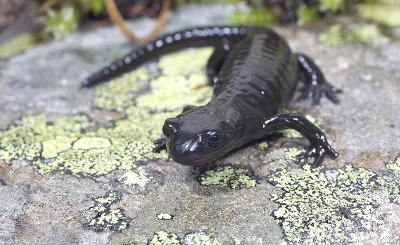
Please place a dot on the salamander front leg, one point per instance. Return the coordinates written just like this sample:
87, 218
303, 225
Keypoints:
316, 85
160, 144
319, 145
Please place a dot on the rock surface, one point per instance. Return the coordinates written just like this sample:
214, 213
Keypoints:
72, 173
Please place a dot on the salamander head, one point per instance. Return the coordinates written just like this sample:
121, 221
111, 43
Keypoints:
199, 137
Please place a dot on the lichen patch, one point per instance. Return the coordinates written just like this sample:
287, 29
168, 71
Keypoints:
165, 216
200, 238
76, 145
292, 153
194, 238
184, 62
263, 146
138, 177
235, 178
52, 147
86, 143
164, 238
120, 93
328, 206
107, 218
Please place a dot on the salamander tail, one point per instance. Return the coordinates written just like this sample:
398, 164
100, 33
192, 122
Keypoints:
195, 37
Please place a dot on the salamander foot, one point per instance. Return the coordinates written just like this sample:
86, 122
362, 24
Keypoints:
315, 84
317, 91
317, 150
159, 145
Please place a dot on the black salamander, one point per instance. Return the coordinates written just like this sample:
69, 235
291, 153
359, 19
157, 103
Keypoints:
254, 74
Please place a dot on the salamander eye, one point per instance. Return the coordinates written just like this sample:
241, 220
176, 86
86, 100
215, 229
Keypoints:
170, 127
213, 140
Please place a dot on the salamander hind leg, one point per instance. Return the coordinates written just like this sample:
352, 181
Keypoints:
216, 60
315, 83
319, 146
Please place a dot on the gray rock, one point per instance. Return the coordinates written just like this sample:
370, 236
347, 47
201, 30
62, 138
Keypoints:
55, 208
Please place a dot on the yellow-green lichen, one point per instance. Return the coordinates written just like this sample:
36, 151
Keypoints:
138, 177
106, 149
184, 63
26, 137
393, 184
228, 176
338, 35
292, 153
164, 238
196, 238
394, 167
120, 93
74, 144
326, 206
52, 147
192, 91
237, 241
86, 143
164, 216
107, 218
200, 238
263, 145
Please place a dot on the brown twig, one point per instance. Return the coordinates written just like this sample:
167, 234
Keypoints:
117, 19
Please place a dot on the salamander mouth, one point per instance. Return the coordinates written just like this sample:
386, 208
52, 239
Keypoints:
198, 161
195, 158
192, 151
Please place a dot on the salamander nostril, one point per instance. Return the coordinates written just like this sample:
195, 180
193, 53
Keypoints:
170, 127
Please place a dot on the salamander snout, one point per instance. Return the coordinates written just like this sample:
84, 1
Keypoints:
198, 137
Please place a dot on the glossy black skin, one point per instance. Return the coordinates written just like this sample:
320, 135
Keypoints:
254, 74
